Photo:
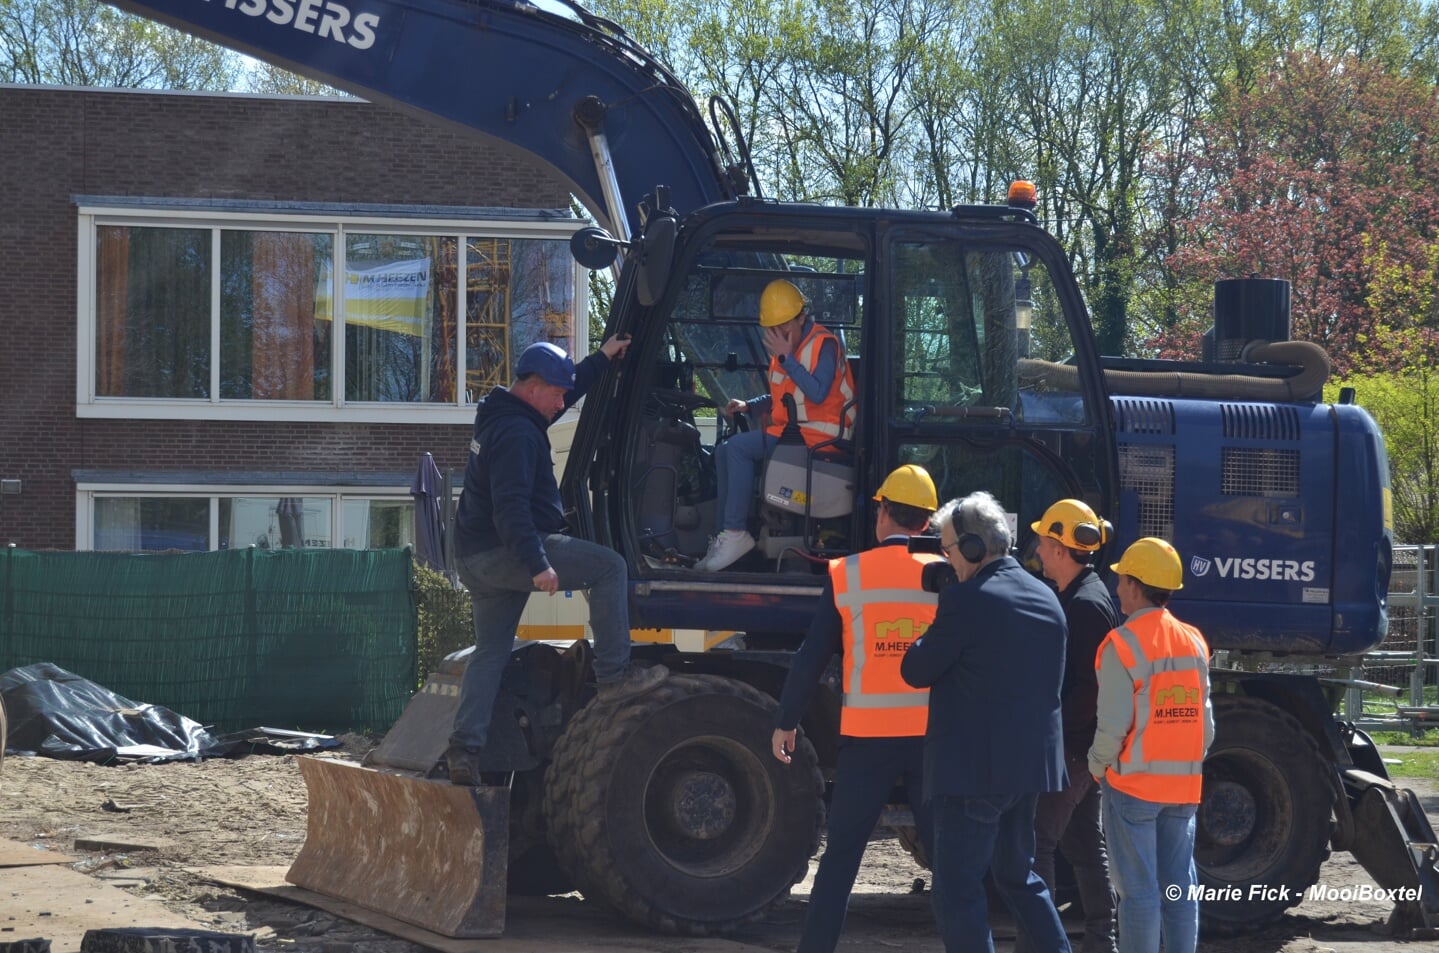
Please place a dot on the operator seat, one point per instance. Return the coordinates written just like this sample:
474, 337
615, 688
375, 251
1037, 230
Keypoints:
811, 484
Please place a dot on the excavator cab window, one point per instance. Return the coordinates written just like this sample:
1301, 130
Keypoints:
970, 323
981, 394
711, 351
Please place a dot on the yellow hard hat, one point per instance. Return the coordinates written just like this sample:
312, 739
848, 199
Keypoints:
911, 486
780, 302
1153, 562
1074, 524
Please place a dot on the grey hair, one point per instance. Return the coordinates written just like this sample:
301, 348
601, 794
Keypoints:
981, 514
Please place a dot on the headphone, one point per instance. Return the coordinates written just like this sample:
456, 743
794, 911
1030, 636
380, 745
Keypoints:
971, 545
1085, 534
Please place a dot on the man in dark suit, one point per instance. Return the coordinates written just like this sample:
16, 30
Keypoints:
993, 661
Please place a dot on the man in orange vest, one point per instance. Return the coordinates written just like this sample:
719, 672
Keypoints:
1155, 724
807, 363
874, 608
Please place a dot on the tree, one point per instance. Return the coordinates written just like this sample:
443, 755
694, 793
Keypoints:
1091, 85
842, 105
962, 137
1396, 379
88, 43
735, 54
269, 79
1324, 160
1405, 404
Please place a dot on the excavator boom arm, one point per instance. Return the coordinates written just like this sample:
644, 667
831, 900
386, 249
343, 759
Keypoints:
566, 87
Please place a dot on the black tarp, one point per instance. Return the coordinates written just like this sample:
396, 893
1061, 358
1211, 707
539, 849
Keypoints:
58, 714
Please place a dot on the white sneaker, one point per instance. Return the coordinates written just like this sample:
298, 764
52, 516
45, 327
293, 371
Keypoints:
727, 547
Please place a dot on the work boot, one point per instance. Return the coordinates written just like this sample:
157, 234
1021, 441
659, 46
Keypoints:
724, 549
464, 766
635, 683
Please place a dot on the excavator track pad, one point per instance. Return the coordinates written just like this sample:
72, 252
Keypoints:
426, 852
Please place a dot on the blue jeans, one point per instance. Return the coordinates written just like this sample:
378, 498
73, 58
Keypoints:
1151, 853
996, 834
864, 775
499, 588
737, 467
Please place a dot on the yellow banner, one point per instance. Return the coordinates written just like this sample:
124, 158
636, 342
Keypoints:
391, 296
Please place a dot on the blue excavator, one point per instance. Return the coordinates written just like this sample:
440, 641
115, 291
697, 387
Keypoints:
974, 357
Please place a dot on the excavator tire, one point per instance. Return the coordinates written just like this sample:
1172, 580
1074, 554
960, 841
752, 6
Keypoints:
1265, 816
671, 809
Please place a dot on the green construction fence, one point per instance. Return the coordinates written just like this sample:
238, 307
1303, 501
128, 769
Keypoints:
317, 640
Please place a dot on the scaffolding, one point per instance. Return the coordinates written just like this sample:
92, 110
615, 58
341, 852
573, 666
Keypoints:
487, 315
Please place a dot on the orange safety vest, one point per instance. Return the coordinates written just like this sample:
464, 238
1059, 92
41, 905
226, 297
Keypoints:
884, 608
1162, 759
832, 417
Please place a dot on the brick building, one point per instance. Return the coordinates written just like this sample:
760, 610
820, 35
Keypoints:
235, 320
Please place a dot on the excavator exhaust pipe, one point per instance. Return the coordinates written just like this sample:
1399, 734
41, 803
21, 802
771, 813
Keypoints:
425, 852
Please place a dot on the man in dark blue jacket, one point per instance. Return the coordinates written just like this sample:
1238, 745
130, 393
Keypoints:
510, 542
993, 660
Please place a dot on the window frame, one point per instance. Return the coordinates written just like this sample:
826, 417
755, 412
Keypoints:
452, 223
87, 492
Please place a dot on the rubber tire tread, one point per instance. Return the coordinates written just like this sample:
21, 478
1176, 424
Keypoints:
576, 790
1252, 723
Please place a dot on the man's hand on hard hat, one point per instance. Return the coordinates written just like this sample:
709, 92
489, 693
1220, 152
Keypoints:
547, 581
614, 348
782, 743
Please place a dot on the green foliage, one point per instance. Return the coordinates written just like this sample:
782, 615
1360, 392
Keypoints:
1405, 403
89, 43
445, 624
1396, 378
602, 297
1323, 176
268, 79
1412, 764
1425, 739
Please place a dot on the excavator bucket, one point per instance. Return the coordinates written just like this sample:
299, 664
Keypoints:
426, 852
1393, 841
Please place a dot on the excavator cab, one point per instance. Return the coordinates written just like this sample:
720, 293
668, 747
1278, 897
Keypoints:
938, 315
710, 350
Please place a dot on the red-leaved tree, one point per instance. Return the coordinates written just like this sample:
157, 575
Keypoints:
1327, 175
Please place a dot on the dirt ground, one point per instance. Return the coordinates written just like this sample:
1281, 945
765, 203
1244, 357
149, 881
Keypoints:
251, 812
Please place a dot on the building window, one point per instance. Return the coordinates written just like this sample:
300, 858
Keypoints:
247, 316
152, 302
274, 344
400, 325
137, 524
196, 521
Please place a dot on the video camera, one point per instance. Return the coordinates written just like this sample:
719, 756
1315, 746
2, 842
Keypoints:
937, 575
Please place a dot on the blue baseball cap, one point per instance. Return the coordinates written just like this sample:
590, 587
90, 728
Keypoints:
550, 362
